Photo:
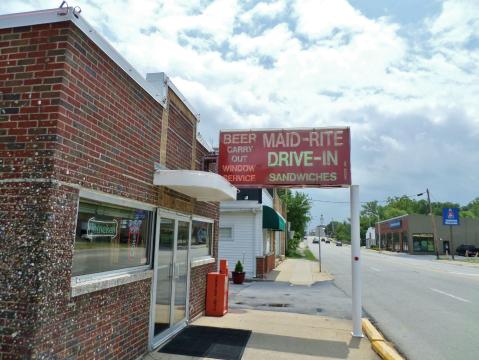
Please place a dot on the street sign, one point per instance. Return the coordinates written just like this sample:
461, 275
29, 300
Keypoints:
316, 157
450, 216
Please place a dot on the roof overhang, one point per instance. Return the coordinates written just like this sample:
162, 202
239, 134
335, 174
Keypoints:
201, 185
272, 219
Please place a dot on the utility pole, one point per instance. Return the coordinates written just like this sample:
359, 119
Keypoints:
433, 221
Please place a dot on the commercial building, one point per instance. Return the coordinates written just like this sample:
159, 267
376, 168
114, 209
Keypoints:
108, 225
253, 230
413, 234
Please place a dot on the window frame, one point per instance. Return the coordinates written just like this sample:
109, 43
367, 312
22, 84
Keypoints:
228, 226
113, 200
210, 247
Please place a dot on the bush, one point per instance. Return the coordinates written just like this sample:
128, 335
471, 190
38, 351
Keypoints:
239, 267
293, 245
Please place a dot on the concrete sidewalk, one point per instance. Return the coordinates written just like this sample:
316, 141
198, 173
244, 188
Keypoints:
280, 335
298, 272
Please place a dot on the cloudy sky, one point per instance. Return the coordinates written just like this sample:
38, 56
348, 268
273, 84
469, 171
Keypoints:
404, 75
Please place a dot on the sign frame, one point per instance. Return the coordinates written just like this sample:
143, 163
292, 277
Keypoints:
286, 158
450, 216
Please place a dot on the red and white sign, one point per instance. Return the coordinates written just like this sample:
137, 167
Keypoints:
286, 157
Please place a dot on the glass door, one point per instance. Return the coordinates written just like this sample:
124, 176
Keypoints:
170, 287
181, 272
164, 267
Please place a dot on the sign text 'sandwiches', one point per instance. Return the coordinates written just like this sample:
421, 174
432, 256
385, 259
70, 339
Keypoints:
286, 157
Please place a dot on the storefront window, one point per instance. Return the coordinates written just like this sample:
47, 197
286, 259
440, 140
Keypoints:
423, 242
110, 238
201, 239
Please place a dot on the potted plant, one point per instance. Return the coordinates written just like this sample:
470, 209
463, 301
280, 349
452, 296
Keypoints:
238, 273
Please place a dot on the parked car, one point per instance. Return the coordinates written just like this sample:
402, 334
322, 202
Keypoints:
339, 243
470, 249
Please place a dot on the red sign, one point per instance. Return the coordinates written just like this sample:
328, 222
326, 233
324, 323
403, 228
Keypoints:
286, 157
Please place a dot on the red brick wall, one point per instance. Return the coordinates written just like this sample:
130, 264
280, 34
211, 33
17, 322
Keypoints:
198, 288
72, 115
264, 264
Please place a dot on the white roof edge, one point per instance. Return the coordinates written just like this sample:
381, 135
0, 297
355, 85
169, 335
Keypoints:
202, 185
240, 205
66, 14
167, 83
288, 129
393, 218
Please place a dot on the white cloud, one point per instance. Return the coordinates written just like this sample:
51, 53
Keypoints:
264, 10
409, 101
457, 23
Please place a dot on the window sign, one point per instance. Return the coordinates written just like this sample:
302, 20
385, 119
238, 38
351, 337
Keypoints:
110, 238
101, 228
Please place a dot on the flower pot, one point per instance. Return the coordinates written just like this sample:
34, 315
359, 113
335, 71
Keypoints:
238, 277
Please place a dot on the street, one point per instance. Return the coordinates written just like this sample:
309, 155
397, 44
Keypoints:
429, 310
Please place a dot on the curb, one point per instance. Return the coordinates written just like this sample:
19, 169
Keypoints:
383, 348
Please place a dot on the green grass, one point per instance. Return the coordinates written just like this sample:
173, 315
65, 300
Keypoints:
302, 254
296, 254
308, 255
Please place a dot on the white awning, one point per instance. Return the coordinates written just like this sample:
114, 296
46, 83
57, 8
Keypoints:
201, 185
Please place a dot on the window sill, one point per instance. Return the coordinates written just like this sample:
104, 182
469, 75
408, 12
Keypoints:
202, 261
103, 283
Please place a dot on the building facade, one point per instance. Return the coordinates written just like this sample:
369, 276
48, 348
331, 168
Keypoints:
253, 230
108, 223
413, 234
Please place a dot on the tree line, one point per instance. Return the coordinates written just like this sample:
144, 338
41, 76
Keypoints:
372, 211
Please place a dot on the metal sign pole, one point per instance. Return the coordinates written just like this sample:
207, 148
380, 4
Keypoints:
451, 246
319, 250
356, 261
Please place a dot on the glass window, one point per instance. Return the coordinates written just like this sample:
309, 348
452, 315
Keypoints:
201, 238
110, 238
226, 234
423, 242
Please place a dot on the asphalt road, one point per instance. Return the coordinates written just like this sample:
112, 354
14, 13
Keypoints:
429, 310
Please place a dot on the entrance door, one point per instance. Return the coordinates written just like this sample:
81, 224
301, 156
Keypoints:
170, 283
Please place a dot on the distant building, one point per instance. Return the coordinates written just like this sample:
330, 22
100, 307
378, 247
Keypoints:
253, 230
370, 237
413, 234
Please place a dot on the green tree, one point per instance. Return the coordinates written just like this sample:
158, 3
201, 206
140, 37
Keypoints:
298, 206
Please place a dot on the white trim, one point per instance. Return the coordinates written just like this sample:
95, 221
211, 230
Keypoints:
286, 129
115, 199
66, 14
203, 219
201, 185
107, 282
202, 261
393, 218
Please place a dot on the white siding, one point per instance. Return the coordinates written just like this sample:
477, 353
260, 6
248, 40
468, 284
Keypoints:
267, 199
244, 224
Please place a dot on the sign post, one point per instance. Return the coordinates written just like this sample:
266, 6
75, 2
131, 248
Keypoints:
356, 261
450, 216
287, 158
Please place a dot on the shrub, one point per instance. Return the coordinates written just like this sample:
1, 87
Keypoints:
239, 267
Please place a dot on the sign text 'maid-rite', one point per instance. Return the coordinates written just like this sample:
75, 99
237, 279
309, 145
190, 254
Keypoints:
316, 157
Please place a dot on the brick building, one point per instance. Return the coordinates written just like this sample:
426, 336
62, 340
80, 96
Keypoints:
413, 234
108, 226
